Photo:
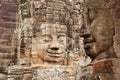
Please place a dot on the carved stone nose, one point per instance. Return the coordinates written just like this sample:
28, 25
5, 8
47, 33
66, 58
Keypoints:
54, 48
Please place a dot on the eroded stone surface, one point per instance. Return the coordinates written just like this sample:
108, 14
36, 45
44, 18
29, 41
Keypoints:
47, 43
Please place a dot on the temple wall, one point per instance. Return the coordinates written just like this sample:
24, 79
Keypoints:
14, 15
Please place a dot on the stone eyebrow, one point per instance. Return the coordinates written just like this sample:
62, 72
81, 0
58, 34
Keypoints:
61, 33
45, 34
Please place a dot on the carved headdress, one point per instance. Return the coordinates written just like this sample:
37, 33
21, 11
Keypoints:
50, 11
55, 11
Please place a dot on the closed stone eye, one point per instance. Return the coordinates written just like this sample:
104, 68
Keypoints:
46, 38
61, 39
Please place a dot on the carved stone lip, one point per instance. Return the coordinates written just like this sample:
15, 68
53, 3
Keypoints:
55, 54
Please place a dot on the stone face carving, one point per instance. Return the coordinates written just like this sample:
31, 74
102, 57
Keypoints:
49, 55
98, 36
46, 36
49, 45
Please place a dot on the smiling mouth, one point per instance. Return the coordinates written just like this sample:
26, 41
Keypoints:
54, 54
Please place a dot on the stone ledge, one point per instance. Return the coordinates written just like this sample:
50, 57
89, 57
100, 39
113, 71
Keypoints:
107, 66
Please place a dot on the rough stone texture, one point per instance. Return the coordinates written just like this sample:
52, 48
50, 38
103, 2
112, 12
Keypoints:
117, 28
105, 68
8, 20
8, 10
59, 39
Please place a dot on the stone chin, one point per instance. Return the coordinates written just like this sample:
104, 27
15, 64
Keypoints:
94, 49
54, 57
46, 56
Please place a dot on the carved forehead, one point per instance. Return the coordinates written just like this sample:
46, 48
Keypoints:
81, 1
53, 27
